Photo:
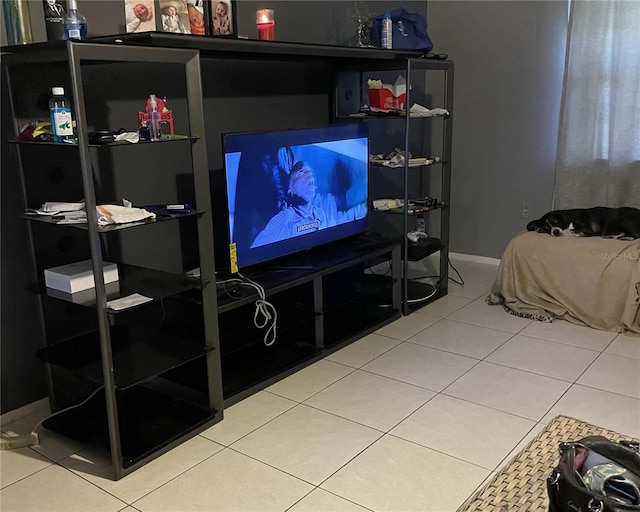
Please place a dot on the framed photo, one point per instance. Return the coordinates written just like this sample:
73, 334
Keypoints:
222, 16
182, 16
139, 15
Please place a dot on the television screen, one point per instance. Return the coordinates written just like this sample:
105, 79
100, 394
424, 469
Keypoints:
291, 190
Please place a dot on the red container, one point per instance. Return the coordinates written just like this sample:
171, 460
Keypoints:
385, 100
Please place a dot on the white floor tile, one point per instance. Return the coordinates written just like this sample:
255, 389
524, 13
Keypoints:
461, 338
308, 381
614, 373
228, 481
307, 443
96, 468
506, 389
625, 345
20, 463
372, 400
422, 366
570, 334
364, 350
396, 475
320, 500
478, 279
51, 445
608, 410
444, 306
246, 416
470, 432
549, 358
55, 489
494, 317
407, 326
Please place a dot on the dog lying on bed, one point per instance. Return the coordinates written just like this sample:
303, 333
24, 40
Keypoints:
601, 221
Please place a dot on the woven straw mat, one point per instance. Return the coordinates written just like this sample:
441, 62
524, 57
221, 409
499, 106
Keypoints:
522, 485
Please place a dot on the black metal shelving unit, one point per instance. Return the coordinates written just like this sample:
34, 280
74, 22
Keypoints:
109, 370
142, 380
429, 83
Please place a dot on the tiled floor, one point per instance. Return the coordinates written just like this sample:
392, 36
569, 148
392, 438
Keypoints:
411, 418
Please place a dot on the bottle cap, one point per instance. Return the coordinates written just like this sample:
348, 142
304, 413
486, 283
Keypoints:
57, 91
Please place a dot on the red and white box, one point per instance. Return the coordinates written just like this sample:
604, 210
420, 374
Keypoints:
389, 97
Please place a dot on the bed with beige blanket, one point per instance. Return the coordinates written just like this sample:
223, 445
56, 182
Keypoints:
590, 281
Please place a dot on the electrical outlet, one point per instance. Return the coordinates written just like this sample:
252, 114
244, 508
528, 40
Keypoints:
525, 210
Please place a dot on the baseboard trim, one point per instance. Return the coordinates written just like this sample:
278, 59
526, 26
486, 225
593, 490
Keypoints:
25, 410
475, 259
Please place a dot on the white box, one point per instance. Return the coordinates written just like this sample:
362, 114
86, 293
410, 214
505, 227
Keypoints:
86, 297
76, 277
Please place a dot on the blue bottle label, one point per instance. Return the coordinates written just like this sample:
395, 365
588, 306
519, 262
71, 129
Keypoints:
61, 122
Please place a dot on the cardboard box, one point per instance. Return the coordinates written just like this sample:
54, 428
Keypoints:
382, 98
389, 97
75, 277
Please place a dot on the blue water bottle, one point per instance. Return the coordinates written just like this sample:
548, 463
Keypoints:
75, 24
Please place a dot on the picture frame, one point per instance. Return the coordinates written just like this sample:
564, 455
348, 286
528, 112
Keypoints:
222, 18
140, 16
182, 16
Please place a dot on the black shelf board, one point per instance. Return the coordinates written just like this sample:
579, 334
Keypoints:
131, 279
355, 319
253, 367
223, 47
420, 294
148, 418
238, 332
119, 143
347, 287
370, 116
401, 167
300, 268
111, 227
258, 363
138, 354
322, 260
413, 211
419, 250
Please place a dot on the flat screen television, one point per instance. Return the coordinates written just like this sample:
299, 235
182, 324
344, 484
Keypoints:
292, 190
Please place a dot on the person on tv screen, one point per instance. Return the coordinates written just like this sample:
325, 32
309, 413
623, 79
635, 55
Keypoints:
299, 215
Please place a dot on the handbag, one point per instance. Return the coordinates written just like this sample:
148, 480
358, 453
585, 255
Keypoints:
409, 31
595, 474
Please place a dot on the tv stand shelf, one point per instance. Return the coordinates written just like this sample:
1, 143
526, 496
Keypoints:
325, 298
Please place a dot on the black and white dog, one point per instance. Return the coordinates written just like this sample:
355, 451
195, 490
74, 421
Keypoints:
599, 221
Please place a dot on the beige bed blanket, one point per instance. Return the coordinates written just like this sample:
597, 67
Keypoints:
590, 281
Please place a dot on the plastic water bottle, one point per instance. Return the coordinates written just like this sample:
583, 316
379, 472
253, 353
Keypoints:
387, 35
75, 24
154, 118
420, 224
60, 113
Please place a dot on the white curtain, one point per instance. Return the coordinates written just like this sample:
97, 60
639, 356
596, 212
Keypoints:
598, 161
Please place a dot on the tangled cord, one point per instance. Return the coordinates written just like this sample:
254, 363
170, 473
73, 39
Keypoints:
265, 313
